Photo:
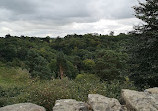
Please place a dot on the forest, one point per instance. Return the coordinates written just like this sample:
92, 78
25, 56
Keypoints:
42, 70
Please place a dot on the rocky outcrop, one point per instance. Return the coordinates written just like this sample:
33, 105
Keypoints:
134, 101
70, 105
141, 101
102, 103
23, 107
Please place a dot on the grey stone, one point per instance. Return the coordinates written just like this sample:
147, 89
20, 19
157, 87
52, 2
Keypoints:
152, 90
139, 101
22, 107
70, 105
102, 103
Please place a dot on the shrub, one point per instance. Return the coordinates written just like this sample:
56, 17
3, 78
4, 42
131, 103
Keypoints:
114, 88
45, 93
21, 88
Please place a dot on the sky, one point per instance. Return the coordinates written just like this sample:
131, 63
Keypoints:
54, 18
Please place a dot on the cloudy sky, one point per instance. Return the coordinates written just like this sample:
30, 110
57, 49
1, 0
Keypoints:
61, 17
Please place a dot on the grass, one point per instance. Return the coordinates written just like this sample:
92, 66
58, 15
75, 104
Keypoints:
10, 77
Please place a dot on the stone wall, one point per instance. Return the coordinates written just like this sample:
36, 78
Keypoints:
133, 101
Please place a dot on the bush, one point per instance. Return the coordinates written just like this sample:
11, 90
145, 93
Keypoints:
13, 83
114, 88
87, 78
17, 87
45, 93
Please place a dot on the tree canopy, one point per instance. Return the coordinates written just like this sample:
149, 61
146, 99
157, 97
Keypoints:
145, 51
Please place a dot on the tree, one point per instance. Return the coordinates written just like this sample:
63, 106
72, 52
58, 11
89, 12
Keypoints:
65, 67
71, 70
77, 62
144, 54
110, 65
88, 65
148, 13
111, 33
37, 65
8, 36
47, 39
41, 68
8, 51
61, 63
54, 68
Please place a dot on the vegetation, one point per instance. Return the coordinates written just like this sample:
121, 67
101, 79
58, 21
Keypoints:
17, 87
144, 58
66, 57
42, 70
71, 67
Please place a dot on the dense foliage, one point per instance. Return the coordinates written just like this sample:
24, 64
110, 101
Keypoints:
145, 51
48, 58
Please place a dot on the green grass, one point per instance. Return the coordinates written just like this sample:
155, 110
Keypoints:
10, 77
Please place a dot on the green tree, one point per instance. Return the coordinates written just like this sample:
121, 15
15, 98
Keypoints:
144, 54
8, 36
88, 65
148, 13
53, 67
76, 60
37, 65
61, 63
71, 70
111, 65
8, 51
65, 67
47, 39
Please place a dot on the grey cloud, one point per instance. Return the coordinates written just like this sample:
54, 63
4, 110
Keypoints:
53, 14
67, 10
18, 6
112, 9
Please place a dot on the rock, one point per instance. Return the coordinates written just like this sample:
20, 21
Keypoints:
123, 108
23, 107
139, 101
152, 90
102, 103
70, 105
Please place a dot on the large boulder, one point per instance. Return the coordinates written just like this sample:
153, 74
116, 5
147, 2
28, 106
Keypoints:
70, 105
23, 107
102, 103
140, 101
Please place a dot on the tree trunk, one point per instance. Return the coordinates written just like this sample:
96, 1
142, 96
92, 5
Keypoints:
61, 72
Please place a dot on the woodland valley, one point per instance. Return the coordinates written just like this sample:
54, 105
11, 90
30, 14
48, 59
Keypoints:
42, 70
